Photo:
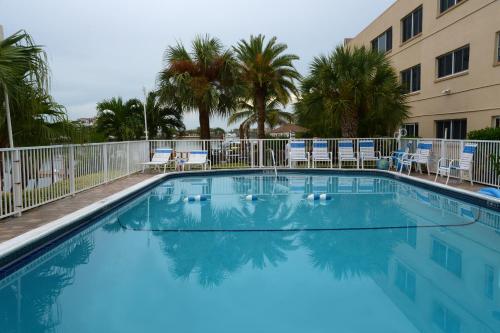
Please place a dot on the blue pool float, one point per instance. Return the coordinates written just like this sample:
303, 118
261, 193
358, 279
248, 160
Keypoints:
322, 197
251, 197
490, 191
194, 198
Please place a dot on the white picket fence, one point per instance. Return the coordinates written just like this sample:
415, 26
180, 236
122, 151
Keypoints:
34, 176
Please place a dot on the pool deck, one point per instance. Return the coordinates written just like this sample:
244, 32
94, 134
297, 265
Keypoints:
15, 226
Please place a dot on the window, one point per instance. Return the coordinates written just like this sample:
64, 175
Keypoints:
447, 257
497, 40
444, 5
496, 122
451, 129
411, 130
383, 43
453, 62
410, 79
412, 24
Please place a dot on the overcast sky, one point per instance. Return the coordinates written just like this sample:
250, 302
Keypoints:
103, 48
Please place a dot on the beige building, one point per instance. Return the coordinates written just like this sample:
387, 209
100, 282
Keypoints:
447, 53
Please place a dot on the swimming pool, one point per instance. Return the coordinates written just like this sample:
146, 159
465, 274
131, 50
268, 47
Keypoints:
380, 255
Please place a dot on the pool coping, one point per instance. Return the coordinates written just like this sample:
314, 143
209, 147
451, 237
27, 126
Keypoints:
30, 243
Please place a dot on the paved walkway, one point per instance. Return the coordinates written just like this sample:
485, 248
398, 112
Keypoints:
31, 219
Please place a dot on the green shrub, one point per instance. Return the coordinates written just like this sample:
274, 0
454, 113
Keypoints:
488, 133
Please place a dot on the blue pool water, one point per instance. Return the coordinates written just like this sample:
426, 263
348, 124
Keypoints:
380, 256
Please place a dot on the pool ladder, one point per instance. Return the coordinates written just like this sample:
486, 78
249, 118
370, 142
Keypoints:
274, 162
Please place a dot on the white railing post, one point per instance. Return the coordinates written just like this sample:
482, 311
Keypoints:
252, 152
261, 153
16, 179
72, 184
128, 158
105, 162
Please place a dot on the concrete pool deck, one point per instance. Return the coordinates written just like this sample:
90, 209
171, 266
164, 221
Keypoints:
14, 226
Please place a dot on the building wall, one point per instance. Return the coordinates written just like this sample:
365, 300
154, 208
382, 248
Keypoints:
473, 95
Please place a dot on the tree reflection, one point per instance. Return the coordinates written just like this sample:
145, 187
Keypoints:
29, 300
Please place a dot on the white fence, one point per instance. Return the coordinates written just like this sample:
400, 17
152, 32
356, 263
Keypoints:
33, 176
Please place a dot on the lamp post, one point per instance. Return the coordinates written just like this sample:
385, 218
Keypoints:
7, 105
145, 116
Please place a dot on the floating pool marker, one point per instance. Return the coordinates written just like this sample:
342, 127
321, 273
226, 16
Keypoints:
321, 197
194, 198
251, 197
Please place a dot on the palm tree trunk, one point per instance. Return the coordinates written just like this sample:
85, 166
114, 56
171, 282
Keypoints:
349, 122
204, 117
260, 104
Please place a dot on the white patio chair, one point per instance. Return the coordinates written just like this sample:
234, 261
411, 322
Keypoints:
320, 153
419, 158
463, 165
298, 153
367, 152
197, 157
161, 157
346, 153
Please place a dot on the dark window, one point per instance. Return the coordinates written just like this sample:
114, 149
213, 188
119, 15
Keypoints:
498, 47
451, 129
412, 24
447, 4
383, 43
453, 62
497, 122
410, 79
411, 130
446, 320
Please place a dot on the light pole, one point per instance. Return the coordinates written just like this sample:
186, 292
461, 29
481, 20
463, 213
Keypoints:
7, 105
144, 110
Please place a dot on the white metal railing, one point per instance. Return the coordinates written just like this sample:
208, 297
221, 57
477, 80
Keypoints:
33, 176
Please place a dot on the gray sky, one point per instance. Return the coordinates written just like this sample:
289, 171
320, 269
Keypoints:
103, 48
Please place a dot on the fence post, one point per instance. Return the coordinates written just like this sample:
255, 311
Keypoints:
128, 158
72, 185
261, 153
105, 162
252, 152
17, 186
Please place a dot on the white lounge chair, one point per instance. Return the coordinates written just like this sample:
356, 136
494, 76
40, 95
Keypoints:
320, 153
445, 166
346, 153
367, 152
161, 157
298, 153
419, 158
197, 157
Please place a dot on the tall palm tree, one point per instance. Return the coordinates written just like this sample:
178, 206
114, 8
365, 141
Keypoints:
356, 90
248, 116
202, 79
266, 71
119, 120
21, 63
163, 120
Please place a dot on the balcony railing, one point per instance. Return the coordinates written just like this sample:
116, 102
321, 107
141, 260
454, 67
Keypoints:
33, 176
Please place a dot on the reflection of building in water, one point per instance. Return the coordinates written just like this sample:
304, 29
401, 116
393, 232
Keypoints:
447, 279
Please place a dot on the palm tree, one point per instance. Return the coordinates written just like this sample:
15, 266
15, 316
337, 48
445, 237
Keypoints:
163, 120
22, 63
120, 121
355, 90
248, 116
202, 79
266, 71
